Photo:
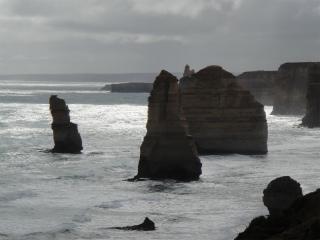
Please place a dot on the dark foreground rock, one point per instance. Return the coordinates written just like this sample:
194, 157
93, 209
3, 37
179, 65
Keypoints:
65, 133
130, 87
291, 88
167, 151
280, 194
312, 117
300, 221
222, 116
260, 84
147, 225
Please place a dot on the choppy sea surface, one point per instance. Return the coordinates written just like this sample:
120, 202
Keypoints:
62, 196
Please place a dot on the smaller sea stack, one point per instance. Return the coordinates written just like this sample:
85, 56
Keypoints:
65, 133
167, 151
312, 117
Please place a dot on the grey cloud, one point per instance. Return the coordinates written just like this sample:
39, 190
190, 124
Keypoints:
147, 35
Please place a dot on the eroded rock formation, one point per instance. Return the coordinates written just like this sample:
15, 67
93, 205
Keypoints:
260, 84
147, 225
187, 71
222, 116
65, 133
299, 221
291, 88
312, 117
280, 194
167, 151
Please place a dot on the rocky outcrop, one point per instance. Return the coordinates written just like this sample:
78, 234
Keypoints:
130, 87
147, 225
312, 117
187, 71
260, 84
299, 221
167, 151
291, 88
65, 133
280, 194
222, 116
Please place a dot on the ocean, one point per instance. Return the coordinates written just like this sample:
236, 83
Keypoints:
63, 196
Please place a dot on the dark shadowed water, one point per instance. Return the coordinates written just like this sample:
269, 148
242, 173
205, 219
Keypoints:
61, 196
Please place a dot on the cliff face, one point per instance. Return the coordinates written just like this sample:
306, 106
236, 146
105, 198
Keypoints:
260, 84
167, 151
222, 116
312, 117
65, 133
291, 88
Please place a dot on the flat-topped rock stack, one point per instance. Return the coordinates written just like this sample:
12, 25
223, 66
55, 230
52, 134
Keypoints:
291, 88
167, 151
65, 133
222, 116
312, 117
260, 84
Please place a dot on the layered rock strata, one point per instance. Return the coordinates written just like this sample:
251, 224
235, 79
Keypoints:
167, 151
291, 88
222, 116
65, 133
299, 221
312, 117
260, 84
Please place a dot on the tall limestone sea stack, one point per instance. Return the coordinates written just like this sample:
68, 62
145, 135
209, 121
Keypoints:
167, 151
291, 88
312, 117
222, 116
65, 133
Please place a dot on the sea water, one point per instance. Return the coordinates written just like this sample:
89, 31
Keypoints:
62, 196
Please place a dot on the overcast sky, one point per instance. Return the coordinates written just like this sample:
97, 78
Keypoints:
111, 36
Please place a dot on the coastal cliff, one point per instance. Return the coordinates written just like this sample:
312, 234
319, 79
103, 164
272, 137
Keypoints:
167, 151
129, 87
260, 84
291, 88
222, 116
312, 117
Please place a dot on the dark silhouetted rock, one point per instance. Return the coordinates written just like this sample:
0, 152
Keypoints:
65, 133
222, 116
260, 84
147, 225
280, 194
291, 88
312, 117
300, 221
167, 151
129, 87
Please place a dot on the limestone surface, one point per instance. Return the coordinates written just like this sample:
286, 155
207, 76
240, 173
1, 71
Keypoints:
65, 133
167, 151
312, 117
222, 116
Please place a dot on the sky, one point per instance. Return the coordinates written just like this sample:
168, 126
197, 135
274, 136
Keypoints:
124, 36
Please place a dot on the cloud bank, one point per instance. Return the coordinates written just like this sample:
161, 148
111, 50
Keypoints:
39, 36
